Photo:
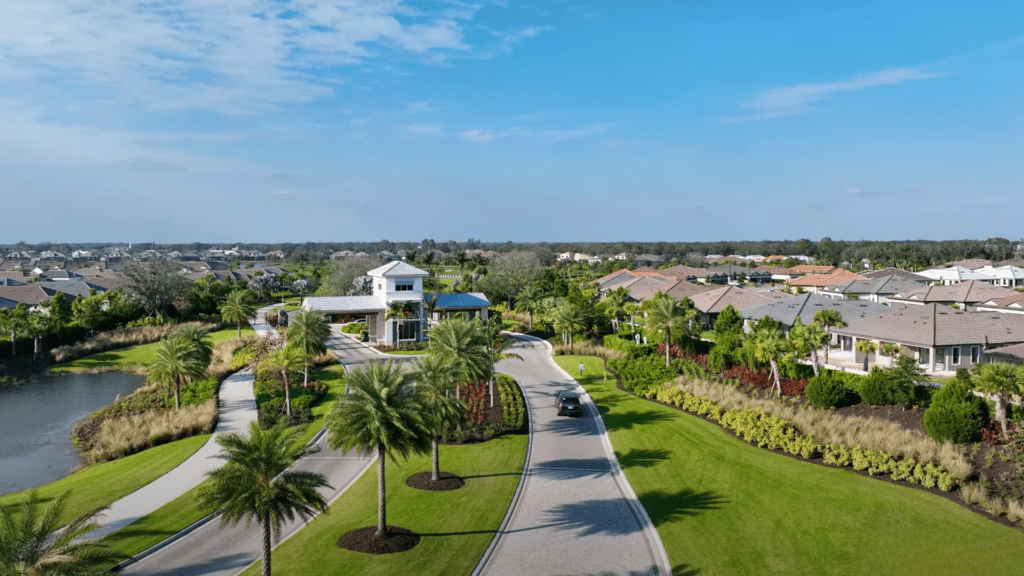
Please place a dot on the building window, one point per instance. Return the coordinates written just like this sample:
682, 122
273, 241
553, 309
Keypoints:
407, 331
925, 356
403, 285
956, 355
975, 354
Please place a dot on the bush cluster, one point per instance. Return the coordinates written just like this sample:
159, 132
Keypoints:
826, 390
513, 410
353, 328
956, 414
640, 372
773, 432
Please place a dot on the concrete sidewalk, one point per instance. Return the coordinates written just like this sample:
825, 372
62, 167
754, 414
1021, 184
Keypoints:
237, 409
259, 322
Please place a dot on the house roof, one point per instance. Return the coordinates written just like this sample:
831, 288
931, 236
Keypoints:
935, 325
7, 281
684, 289
954, 274
885, 285
463, 300
343, 304
76, 289
970, 292
646, 287
730, 269
806, 305
29, 294
779, 270
890, 271
839, 276
1016, 301
7, 303
1002, 272
971, 263
615, 279
396, 268
714, 301
683, 272
1016, 351
812, 269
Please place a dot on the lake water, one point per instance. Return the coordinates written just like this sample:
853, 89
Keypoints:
36, 421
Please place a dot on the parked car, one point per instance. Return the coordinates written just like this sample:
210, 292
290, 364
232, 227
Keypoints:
568, 403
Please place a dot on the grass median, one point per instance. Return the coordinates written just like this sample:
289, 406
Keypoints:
455, 526
722, 506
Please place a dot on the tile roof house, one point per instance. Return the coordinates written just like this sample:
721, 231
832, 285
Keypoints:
1008, 305
777, 272
970, 263
812, 269
954, 275
689, 290
805, 306
875, 289
1006, 276
813, 282
940, 338
890, 271
647, 287
966, 295
30, 294
711, 302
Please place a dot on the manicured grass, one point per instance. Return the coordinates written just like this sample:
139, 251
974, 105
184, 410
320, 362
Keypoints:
134, 357
156, 527
456, 526
334, 377
723, 506
101, 484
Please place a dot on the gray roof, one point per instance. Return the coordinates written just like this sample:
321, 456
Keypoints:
936, 325
343, 304
75, 289
806, 305
714, 301
883, 285
8, 303
890, 271
397, 268
971, 292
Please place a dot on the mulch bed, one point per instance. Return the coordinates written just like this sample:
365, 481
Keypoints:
396, 539
446, 481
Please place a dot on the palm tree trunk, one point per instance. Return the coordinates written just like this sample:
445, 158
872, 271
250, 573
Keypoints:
490, 386
287, 394
1001, 415
382, 514
265, 524
239, 328
775, 375
13, 336
177, 394
531, 320
814, 360
435, 468
668, 339
828, 343
305, 374
570, 343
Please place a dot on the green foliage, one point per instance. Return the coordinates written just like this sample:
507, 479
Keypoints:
956, 414
878, 388
354, 328
627, 346
825, 390
642, 371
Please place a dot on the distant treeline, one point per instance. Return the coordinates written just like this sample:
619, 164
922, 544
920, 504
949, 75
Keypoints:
907, 253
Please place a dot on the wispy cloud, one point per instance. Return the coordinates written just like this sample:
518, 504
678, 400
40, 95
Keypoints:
222, 55
792, 100
510, 38
543, 135
424, 129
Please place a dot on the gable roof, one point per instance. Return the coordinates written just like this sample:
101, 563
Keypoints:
460, 300
1016, 301
954, 274
890, 271
714, 301
685, 289
29, 294
397, 268
970, 292
971, 263
806, 305
812, 269
646, 287
837, 277
935, 325
343, 304
682, 272
885, 285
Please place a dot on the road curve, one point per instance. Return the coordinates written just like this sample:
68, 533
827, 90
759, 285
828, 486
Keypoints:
576, 513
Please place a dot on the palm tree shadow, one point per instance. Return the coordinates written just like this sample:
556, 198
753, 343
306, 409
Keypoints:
629, 420
642, 458
678, 570
663, 507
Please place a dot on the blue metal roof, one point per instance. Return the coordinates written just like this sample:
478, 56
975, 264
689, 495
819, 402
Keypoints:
464, 300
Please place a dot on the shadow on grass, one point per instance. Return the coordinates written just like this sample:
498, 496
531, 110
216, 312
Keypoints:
664, 507
642, 458
680, 570
629, 420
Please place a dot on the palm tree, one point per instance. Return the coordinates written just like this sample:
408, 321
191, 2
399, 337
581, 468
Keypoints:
30, 544
666, 314
199, 339
1000, 380
460, 259
287, 359
892, 351
529, 300
769, 346
239, 307
615, 303
632, 308
434, 385
309, 331
176, 363
463, 347
257, 482
396, 311
497, 348
14, 321
381, 413
829, 317
569, 318
866, 347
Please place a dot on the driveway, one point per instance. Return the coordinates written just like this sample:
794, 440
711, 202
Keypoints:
576, 513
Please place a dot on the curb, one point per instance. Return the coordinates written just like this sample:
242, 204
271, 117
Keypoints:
656, 546
514, 504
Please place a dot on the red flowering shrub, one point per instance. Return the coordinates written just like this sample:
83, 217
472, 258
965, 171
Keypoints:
475, 396
676, 352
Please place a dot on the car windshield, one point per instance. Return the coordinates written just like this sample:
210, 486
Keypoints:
570, 399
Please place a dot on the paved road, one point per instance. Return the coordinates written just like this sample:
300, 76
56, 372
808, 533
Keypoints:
576, 513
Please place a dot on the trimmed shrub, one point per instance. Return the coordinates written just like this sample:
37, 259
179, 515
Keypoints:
825, 390
877, 388
956, 414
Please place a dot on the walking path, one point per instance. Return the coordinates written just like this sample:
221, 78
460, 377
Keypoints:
576, 513
259, 322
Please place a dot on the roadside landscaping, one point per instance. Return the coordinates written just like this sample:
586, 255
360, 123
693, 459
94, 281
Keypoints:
723, 506
456, 526
101, 484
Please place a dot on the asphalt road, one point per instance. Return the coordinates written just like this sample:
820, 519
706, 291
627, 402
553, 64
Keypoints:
576, 513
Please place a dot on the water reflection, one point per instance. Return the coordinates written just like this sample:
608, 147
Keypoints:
36, 420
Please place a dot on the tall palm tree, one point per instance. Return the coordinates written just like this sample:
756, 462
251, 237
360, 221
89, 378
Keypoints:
442, 409
1000, 380
309, 332
829, 317
665, 315
632, 308
381, 413
239, 307
257, 482
529, 300
769, 346
287, 359
615, 304
463, 347
892, 351
497, 349
396, 311
31, 545
199, 339
569, 318
866, 347
176, 363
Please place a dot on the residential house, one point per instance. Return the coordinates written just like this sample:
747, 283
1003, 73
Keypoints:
684, 289
970, 263
898, 272
711, 302
803, 269
7, 303
1006, 276
691, 274
731, 272
647, 260
954, 275
1013, 354
646, 287
805, 306
777, 272
875, 290
966, 295
58, 275
941, 339
1009, 305
30, 295
815, 282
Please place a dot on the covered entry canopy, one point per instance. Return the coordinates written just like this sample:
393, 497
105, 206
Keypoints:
337, 306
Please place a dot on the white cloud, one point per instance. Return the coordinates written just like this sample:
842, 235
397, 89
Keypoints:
543, 135
853, 191
223, 55
281, 192
792, 100
509, 38
477, 135
424, 129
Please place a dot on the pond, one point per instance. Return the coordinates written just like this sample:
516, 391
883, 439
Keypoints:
36, 421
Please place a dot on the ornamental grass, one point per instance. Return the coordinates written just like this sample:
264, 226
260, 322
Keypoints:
123, 436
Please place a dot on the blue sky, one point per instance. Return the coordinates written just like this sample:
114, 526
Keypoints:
274, 121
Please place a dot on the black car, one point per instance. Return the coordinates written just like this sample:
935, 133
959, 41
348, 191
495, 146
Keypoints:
568, 403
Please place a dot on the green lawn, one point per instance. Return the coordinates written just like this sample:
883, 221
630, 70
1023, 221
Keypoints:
456, 526
131, 358
334, 377
723, 506
156, 527
101, 484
